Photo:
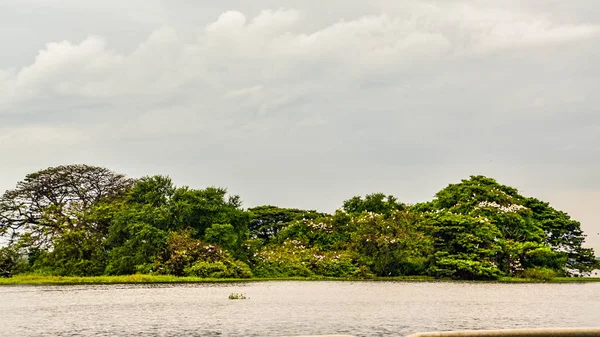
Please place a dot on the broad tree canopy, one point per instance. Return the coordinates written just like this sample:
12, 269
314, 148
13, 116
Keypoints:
48, 202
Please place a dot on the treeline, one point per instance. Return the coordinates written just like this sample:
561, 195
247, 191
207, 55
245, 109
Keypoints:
85, 220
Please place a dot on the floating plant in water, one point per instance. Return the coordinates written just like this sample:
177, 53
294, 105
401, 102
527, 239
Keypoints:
236, 296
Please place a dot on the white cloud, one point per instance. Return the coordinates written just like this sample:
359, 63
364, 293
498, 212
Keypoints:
276, 63
7, 88
275, 21
230, 22
63, 68
36, 136
235, 50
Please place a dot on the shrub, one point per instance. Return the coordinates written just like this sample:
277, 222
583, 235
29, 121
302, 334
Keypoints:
182, 251
393, 244
363, 272
293, 258
327, 232
76, 253
8, 261
207, 269
544, 274
544, 257
142, 243
282, 269
448, 266
240, 270
219, 269
333, 265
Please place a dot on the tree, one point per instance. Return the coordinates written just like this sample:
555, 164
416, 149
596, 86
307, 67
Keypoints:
49, 202
527, 227
135, 238
223, 235
393, 245
564, 235
377, 203
75, 253
465, 247
156, 191
200, 209
87, 220
266, 221
138, 230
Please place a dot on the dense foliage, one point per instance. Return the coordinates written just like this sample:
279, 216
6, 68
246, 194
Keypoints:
83, 220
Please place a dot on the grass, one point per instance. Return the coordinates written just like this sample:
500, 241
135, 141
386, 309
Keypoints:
148, 279
554, 280
123, 279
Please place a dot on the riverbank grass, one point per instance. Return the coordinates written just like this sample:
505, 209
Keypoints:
144, 278
148, 279
123, 279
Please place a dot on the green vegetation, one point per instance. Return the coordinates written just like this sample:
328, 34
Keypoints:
86, 224
236, 296
120, 279
169, 279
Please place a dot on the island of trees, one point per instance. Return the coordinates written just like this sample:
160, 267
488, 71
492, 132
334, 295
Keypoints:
81, 220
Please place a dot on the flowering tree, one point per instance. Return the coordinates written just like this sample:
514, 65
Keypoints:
528, 232
392, 245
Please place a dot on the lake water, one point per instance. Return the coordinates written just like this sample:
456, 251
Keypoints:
293, 308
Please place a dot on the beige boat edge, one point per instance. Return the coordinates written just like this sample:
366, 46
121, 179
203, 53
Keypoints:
322, 336
557, 332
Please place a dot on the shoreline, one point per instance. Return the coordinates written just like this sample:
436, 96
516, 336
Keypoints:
167, 279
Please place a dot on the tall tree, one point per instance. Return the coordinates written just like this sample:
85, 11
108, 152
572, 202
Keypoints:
49, 202
527, 227
200, 209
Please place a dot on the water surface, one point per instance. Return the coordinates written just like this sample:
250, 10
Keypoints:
293, 308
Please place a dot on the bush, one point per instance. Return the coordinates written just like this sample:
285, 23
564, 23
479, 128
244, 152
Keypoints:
8, 261
76, 253
282, 269
293, 258
182, 251
219, 269
544, 274
544, 257
207, 269
323, 232
240, 270
363, 272
465, 269
124, 265
391, 245
142, 243
334, 266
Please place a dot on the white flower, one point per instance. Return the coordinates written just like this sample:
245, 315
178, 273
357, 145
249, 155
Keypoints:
513, 208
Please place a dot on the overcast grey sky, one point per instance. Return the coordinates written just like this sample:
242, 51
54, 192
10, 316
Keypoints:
307, 103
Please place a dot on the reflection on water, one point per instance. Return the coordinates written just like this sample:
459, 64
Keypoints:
293, 308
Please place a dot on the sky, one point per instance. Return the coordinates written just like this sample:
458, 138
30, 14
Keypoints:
308, 103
